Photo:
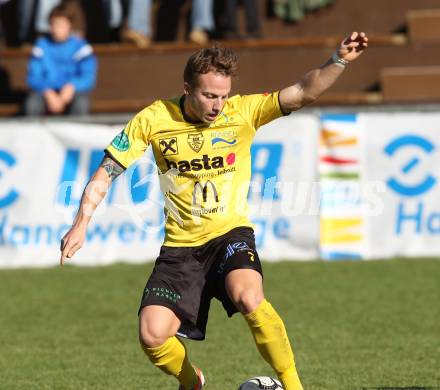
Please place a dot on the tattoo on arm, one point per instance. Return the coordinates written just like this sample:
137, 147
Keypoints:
112, 168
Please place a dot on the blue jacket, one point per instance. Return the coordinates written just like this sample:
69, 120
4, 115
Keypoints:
54, 64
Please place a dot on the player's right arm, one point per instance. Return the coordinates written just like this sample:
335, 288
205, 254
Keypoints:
92, 196
125, 148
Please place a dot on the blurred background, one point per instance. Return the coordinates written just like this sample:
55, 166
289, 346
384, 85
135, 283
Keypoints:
287, 38
345, 196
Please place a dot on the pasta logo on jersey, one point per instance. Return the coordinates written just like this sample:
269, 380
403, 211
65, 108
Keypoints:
198, 164
168, 146
196, 141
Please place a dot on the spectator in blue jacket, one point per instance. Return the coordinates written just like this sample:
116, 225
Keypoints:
61, 71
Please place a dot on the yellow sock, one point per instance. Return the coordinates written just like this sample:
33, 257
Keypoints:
271, 338
172, 358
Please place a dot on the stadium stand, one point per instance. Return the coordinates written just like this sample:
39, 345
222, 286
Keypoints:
400, 65
421, 83
424, 25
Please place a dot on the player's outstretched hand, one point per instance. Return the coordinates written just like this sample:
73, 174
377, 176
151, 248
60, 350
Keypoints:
70, 243
352, 46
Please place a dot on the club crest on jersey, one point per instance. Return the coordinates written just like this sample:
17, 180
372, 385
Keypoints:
196, 141
168, 146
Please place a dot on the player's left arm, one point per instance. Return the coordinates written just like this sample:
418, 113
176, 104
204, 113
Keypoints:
317, 81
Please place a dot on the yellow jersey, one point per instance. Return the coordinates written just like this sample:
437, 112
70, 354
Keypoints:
204, 169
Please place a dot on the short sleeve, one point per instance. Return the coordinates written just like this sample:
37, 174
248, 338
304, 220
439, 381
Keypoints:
260, 109
131, 143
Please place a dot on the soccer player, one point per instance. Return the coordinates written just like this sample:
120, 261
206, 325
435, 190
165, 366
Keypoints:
204, 137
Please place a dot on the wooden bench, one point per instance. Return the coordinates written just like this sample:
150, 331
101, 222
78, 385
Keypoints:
134, 105
424, 25
411, 84
130, 78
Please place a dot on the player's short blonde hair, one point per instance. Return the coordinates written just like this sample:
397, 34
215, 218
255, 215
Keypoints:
213, 59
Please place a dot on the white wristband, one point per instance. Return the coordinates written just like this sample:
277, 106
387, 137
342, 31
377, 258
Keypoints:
339, 61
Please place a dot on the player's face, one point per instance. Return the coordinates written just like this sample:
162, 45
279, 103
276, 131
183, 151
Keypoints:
60, 28
206, 100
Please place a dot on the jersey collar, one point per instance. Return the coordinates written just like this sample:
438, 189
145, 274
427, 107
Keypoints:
184, 114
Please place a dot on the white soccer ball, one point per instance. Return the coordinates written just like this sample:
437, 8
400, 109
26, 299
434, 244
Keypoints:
261, 382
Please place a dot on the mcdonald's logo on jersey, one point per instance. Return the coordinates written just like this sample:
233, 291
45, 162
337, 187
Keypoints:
201, 192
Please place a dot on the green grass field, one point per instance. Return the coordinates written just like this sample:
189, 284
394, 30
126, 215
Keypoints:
354, 325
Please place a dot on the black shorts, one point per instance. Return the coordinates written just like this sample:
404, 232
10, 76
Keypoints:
185, 279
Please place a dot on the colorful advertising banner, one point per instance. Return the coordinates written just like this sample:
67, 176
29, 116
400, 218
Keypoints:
341, 212
44, 167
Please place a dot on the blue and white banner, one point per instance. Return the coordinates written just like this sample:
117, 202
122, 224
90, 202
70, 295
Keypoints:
402, 151
44, 167
285, 194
